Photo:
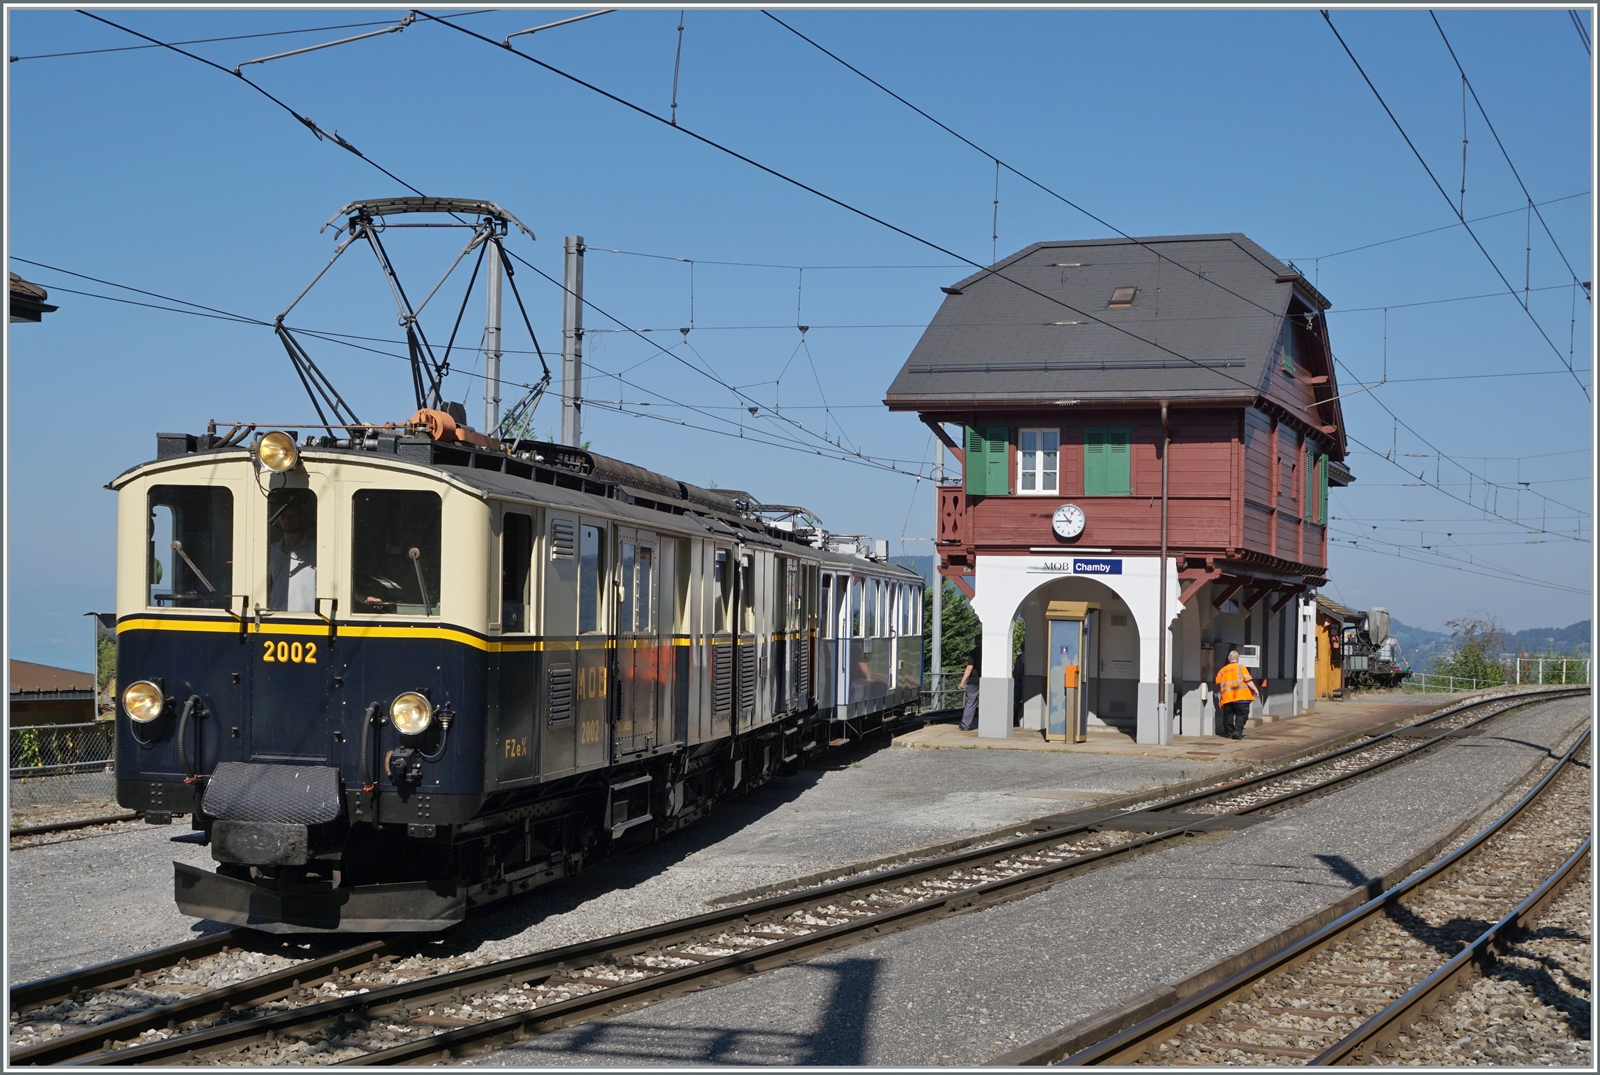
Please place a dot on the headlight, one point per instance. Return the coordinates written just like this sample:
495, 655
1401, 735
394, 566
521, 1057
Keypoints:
143, 701
277, 452
411, 713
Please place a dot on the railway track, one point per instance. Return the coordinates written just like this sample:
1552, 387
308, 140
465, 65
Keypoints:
76, 823
1347, 992
377, 1003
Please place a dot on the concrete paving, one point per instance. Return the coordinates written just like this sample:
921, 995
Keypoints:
101, 897
1275, 738
965, 989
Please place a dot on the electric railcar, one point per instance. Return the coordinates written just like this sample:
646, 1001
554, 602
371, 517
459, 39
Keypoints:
397, 675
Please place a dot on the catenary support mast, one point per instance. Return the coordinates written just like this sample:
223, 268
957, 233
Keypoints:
935, 674
491, 344
572, 344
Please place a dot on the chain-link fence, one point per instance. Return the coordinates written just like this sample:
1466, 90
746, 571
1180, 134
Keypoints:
60, 764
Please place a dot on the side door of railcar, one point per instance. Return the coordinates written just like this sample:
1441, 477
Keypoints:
558, 734
747, 641
292, 654
724, 569
827, 676
781, 647
514, 750
595, 643
809, 622
638, 650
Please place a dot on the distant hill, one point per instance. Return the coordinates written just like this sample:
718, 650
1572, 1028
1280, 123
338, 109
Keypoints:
1420, 645
922, 565
1574, 639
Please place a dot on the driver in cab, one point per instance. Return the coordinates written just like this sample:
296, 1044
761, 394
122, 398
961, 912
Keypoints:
292, 561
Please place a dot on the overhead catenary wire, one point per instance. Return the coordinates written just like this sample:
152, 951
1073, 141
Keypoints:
1468, 228
1583, 32
1467, 83
864, 214
888, 464
210, 40
310, 124
641, 110
322, 134
1442, 227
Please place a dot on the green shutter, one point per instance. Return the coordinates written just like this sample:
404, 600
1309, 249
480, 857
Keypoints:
988, 467
1308, 486
975, 467
997, 461
1322, 490
1107, 461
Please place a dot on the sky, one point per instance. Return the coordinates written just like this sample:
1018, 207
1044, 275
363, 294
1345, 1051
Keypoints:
149, 169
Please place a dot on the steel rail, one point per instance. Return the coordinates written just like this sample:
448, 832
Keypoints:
1133, 1042
239, 996
90, 1043
1516, 700
1370, 1037
81, 823
540, 967
117, 972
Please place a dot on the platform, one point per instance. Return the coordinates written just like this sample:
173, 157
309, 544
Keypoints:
1331, 724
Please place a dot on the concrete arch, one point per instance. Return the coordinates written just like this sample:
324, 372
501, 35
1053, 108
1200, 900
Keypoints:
1005, 584
1113, 678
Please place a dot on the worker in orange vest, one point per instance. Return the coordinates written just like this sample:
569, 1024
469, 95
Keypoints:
1235, 691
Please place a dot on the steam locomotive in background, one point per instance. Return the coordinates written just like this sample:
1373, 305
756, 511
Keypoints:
1369, 654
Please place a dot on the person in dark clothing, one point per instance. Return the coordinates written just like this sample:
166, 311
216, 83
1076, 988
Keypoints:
969, 684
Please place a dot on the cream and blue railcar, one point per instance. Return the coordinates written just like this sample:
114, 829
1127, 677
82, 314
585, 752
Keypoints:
391, 678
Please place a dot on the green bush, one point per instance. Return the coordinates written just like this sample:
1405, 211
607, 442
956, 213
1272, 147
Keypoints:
1476, 642
105, 662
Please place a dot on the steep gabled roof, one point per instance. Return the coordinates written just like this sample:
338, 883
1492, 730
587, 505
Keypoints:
1059, 336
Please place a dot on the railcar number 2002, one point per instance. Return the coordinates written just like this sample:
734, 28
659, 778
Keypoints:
289, 652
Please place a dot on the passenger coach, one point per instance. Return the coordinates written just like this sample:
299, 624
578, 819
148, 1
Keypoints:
397, 675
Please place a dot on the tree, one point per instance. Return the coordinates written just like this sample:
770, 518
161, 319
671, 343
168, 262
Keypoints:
961, 629
1476, 641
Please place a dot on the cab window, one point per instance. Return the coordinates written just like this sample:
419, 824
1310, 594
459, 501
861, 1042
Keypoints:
591, 569
394, 554
722, 577
516, 557
190, 547
292, 550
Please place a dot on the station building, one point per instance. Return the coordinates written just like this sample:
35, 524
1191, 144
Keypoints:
1091, 390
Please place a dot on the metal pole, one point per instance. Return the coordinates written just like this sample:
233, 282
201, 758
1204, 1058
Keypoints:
572, 344
1164, 635
491, 345
937, 679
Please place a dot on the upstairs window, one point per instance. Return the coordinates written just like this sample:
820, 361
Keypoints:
1038, 451
1286, 346
988, 465
1107, 461
191, 546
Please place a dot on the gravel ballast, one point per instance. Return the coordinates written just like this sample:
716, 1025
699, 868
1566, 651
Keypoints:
108, 894
965, 989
